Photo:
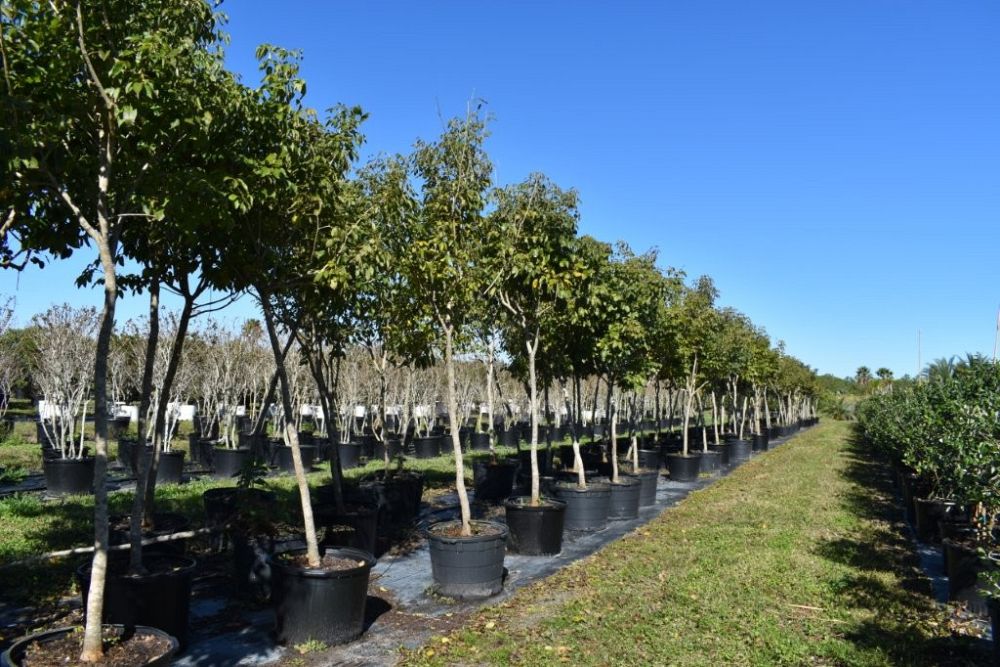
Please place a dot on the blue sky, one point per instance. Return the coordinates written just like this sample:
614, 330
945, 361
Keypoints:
832, 165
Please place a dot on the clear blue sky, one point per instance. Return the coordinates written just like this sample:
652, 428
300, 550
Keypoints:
833, 165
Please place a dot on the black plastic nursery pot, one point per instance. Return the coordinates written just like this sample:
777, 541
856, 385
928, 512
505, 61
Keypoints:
647, 494
479, 442
325, 605
350, 455
467, 567
283, 457
362, 518
164, 523
524, 457
711, 462
723, 450
171, 468
427, 448
586, 509
739, 451
760, 442
160, 599
494, 481
15, 654
393, 445
624, 502
929, 512
227, 463
683, 468
649, 459
535, 530
509, 438
67, 477
964, 566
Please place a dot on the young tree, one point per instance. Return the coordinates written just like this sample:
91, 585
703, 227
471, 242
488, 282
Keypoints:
443, 263
530, 255
102, 104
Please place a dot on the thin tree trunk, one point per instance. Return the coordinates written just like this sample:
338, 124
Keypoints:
715, 417
153, 464
456, 443
614, 433
532, 346
291, 436
92, 639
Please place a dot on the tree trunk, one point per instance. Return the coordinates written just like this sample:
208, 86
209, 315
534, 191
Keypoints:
490, 369
291, 436
715, 417
153, 464
92, 639
456, 443
613, 409
532, 346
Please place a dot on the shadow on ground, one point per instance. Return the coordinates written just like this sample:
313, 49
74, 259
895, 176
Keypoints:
902, 624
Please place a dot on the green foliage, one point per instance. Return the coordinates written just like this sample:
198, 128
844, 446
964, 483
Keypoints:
946, 430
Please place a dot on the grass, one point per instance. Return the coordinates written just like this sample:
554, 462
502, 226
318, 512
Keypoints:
794, 559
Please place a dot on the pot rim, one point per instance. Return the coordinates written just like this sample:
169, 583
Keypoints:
189, 564
319, 573
546, 504
428, 532
36, 636
592, 486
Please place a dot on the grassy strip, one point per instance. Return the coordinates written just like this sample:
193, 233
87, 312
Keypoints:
793, 559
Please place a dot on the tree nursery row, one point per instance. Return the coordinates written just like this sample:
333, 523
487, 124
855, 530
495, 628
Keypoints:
405, 305
940, 436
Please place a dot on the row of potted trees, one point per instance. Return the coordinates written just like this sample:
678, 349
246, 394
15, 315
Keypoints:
942, 438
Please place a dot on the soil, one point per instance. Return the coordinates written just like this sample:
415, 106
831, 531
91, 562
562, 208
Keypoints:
327, 562
454, 529
119, 650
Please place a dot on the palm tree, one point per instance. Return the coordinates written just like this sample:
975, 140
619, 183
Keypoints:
940, 370
863, 376
884, 374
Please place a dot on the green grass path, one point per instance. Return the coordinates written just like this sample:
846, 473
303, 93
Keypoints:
796, 558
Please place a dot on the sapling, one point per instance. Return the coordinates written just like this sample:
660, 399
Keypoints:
63, 368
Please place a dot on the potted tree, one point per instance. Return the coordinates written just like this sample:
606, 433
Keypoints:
63, 366
530, 253
444, 267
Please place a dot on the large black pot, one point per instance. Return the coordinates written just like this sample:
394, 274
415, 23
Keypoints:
171, 468
649, 459
164, 523
524, 457
222, 506
479, 441
711, 462
160, 599
66, 477
739, 451
14, 656
350, 455
624, 498
647, 494
760, 442
493, 481
683, 468
394, 445
535, 530
467, 567
227, 463
723, 450
586, 509
928, 513
427, 448
363, 518
283, 457
913, 487
509, 438
321, 605
964, 566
